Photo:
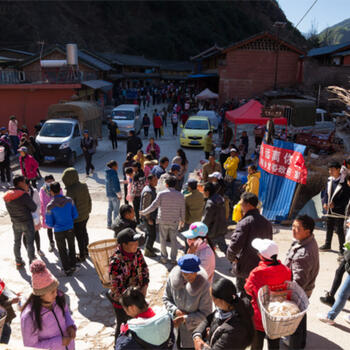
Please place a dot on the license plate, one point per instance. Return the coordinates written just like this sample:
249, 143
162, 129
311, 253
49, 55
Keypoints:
49, 158
194, 143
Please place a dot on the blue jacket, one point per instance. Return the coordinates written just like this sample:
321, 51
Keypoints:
112, 183
61, 213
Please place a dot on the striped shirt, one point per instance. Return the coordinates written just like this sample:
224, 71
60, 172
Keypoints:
171, 204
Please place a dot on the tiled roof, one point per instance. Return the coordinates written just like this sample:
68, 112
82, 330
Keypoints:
326, 50
177, 66
87, 58
25, 53
130, 60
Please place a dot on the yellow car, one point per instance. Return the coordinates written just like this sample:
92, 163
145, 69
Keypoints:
195, 131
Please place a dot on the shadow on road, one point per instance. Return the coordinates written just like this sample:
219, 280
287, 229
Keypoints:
316, 341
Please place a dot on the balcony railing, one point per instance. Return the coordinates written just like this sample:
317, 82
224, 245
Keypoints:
59, 76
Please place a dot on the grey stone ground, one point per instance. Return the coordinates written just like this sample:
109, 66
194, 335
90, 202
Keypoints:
93, 314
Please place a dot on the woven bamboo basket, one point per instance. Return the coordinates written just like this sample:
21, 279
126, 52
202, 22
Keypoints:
278, 326
3, 315
100, 252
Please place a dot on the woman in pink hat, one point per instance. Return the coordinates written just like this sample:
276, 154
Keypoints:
46, 322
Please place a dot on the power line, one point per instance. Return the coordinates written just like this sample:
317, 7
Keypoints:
306, 13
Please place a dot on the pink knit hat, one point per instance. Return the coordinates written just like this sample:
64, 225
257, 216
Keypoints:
43, 281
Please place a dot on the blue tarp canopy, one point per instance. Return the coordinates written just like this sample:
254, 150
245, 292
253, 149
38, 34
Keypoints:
276, 192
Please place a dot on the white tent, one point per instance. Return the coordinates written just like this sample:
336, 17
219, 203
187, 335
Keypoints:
207, 95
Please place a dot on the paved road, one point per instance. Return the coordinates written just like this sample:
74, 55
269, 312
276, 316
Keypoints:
93, 313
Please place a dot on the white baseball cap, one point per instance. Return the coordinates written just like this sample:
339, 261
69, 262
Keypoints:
265, 247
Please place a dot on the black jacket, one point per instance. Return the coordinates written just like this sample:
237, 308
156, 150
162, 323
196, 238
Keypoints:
339, 197
215, 216
7, 153
231, 334
19, 205
121, 223
253, 225
133, 144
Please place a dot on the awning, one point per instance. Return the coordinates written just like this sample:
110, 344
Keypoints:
198, 76
98, 85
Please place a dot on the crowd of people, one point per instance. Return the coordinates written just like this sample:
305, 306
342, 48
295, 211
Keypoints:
201, 310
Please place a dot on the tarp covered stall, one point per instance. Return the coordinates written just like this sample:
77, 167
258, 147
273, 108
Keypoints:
88, 114
277, 192
313, 208
207, 95
250, 113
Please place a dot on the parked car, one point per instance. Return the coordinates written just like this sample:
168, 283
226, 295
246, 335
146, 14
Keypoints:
59, 138
127, 117
212, 116
194, 131
324, 121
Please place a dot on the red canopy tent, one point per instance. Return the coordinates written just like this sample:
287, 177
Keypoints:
250, 113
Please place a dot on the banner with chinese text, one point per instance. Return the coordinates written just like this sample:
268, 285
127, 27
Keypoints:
283, 162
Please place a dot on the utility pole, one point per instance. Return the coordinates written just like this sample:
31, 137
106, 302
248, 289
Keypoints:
278, 26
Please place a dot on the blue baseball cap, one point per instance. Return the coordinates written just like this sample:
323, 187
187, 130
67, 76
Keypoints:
197, 229
175, 166
189, 263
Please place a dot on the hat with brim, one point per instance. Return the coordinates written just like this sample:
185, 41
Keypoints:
197, 229
128, 235
233, 150
22, 149
189, 263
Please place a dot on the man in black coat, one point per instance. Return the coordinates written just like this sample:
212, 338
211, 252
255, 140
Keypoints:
240, 251
20, 207
133, 143
112, 127
335, 200
5, 153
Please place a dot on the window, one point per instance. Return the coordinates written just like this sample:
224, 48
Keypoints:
76, 131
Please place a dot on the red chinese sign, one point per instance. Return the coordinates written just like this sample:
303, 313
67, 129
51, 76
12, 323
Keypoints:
283, 162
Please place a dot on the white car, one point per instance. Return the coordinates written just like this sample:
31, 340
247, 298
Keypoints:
213, 117
127, 117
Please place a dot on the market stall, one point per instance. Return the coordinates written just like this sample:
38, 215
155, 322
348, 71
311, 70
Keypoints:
250, 113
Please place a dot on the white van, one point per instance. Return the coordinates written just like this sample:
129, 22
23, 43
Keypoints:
127, 117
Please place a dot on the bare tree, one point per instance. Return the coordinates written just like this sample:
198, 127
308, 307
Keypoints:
341, 95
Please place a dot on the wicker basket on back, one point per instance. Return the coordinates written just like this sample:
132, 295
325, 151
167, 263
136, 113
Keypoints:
100, 252
282, 326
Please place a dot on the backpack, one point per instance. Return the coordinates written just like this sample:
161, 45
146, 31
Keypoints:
2, 153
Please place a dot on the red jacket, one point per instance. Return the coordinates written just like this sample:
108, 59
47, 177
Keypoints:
265, 274
157, 122
29, 166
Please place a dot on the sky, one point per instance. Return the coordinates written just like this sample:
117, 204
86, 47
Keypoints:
324, 14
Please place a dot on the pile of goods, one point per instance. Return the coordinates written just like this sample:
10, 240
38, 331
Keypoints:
280, 307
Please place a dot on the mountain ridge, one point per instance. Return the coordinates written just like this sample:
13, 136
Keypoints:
157, 29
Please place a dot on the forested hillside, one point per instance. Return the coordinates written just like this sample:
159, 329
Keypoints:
158, 29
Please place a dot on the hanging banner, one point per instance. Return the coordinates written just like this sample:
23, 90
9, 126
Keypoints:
283, 162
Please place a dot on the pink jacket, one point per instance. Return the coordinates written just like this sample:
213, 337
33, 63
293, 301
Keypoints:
156, 149
13, 128
45, 198
29, 166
